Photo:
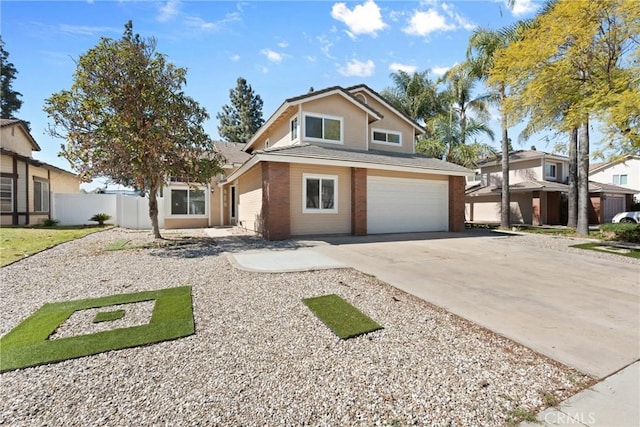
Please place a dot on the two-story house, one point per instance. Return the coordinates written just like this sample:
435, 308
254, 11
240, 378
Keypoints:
624, 172
538, 190
339, 161
26, 184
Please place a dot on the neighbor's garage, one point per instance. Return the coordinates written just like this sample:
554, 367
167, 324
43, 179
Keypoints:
400, 205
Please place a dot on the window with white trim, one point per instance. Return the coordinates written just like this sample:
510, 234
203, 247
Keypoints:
40, 195
6, 194
294, 128
188, 201
323, 128
550, 170
320, 193
383, 136
620, 179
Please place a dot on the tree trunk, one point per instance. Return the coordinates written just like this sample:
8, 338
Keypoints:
572, 218
505, 208
583, 179
153, 211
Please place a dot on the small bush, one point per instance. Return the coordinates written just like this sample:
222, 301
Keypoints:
100, 218
622, 232
50, 222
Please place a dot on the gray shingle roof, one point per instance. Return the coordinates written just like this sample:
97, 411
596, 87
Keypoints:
417, 161
232, 151
544, 186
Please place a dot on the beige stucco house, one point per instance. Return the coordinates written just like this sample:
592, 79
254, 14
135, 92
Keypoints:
26, 184
624, 172
335, 161
538, 191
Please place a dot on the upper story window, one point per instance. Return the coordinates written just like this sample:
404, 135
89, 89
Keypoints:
294, 128
40, 195
323, 128
6, 194
620, 179
383, 136
550, 170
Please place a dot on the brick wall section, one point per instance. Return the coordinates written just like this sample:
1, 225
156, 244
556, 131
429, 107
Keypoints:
275, 201
456, 204
595, 214
358, 201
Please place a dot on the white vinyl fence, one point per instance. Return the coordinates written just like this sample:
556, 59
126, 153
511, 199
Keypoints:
126, 211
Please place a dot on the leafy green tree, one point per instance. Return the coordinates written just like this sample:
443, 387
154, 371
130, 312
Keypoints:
573, 64
10, 101
127, 118
240, 120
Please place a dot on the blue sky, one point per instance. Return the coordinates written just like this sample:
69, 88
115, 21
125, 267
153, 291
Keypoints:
282, 48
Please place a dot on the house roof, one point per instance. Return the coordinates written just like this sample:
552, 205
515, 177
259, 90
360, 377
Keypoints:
597, 167
231, 151
521, 156
333, 90
17, 122
372, 159
545, 186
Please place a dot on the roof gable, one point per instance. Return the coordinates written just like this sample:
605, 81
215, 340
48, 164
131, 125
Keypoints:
597, 167
23, 128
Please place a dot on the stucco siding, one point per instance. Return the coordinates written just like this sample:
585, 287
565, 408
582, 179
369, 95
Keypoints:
488, 208
631, 168
320, 223
170, 223
14, 139
249, 190
64, 183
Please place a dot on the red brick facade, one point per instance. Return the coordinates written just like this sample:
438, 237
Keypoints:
275, 201
536, 209
456, 204
358, 201
553, 208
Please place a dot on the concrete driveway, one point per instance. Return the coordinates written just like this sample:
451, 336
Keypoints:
578, 309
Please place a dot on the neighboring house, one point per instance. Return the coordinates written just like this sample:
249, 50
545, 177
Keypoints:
624, 172
26, 184
334, 161
538, 190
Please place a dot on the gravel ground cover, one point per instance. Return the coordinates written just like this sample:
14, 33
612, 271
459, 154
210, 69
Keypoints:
259, 355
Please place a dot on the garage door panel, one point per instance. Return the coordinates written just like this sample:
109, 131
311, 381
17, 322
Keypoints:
405, 205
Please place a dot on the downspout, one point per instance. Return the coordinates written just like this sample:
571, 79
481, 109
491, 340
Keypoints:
15, 189
221, 204
26, 192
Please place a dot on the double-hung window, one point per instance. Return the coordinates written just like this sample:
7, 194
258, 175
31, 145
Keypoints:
382, 136
323, 128
320, 193
6, 194
40, 195
188, 201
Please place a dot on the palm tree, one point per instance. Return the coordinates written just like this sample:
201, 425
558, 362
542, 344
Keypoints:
415, 95
483, 46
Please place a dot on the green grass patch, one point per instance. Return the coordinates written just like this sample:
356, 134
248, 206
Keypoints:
108, 316
20, 242
118, 245
599, 247
28, 344
342, 318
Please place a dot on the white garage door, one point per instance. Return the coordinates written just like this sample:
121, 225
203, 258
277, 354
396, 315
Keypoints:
400, 205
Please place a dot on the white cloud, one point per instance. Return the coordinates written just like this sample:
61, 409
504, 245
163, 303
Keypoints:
439, 71
363, 19
198, 23
424, 23
168, 11
87, 30
325, 46
522, 7
355, 68
272, 55
235, 57
283, 44
457, 18
311, 58
410, 69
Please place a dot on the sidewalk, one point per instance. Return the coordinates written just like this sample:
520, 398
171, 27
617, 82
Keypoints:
613, 402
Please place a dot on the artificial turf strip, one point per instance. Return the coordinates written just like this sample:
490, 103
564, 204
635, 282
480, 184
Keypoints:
633, 253
108, 316
28, 345
342, 318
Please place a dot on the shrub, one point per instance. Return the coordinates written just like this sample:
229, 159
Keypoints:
622, 232
50, 222
100, 218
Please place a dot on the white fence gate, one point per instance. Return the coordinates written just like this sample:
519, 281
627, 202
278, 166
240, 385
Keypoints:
126, 211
